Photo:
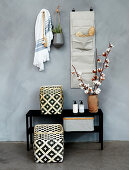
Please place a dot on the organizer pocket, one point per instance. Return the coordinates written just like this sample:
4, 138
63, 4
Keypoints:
82, 43
82, 22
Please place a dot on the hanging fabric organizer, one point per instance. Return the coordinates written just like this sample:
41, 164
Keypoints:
82, 32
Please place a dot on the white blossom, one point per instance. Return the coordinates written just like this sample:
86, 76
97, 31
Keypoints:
87, 85
106, 65
99, 69
96, 82
80, 84
97, 91
90, 90
80, 73
102, 77
111, 45
79, 78
94, 71
104, 54
86, 91
107, 60
108, 49
99, 60
102, 74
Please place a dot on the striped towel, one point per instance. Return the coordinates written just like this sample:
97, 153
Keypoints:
42, 53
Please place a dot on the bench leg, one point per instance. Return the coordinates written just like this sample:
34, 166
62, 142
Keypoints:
31, 141
101, 131
27, 133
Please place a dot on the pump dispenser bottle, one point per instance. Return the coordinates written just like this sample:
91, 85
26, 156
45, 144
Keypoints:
81, 107
75, 107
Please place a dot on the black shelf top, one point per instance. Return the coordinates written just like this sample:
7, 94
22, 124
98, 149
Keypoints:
69, 113
65, 113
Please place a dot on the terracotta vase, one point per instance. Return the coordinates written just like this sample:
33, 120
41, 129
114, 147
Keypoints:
93, 103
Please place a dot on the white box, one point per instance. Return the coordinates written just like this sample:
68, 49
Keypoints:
78, 124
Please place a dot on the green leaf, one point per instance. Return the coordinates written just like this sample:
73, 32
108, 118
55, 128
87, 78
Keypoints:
57, 29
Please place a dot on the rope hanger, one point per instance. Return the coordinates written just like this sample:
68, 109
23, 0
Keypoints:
44, 38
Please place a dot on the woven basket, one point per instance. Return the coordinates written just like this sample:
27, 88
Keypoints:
48, 143
51, 100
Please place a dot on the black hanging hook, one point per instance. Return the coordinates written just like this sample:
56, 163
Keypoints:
73, 10
91, 9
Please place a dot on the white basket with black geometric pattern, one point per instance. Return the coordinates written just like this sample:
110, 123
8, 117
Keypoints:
51, 99
48, 143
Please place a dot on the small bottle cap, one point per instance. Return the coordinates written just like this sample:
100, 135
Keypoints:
73, 10
74, 102
81, 102
91, 9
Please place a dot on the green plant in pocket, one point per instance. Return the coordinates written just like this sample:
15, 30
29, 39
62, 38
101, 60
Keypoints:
57, 30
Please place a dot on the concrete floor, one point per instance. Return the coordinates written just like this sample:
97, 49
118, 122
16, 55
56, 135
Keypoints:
78, 156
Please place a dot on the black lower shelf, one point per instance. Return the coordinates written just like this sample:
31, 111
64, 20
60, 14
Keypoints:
96, 129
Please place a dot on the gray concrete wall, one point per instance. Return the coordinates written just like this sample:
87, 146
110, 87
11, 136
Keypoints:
20, 80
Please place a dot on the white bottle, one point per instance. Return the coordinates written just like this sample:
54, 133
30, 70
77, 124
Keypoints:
81, 107
75, 107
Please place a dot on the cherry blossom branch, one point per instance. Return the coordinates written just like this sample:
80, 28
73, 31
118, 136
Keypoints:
106, 62
97, 80
79, 78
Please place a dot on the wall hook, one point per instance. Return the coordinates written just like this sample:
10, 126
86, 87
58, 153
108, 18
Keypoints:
91, 9
73, 10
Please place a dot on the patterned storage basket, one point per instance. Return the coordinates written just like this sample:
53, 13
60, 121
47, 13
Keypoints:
51, 99
48, 143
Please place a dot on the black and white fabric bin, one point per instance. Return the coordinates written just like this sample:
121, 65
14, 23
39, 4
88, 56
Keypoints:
48, 143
